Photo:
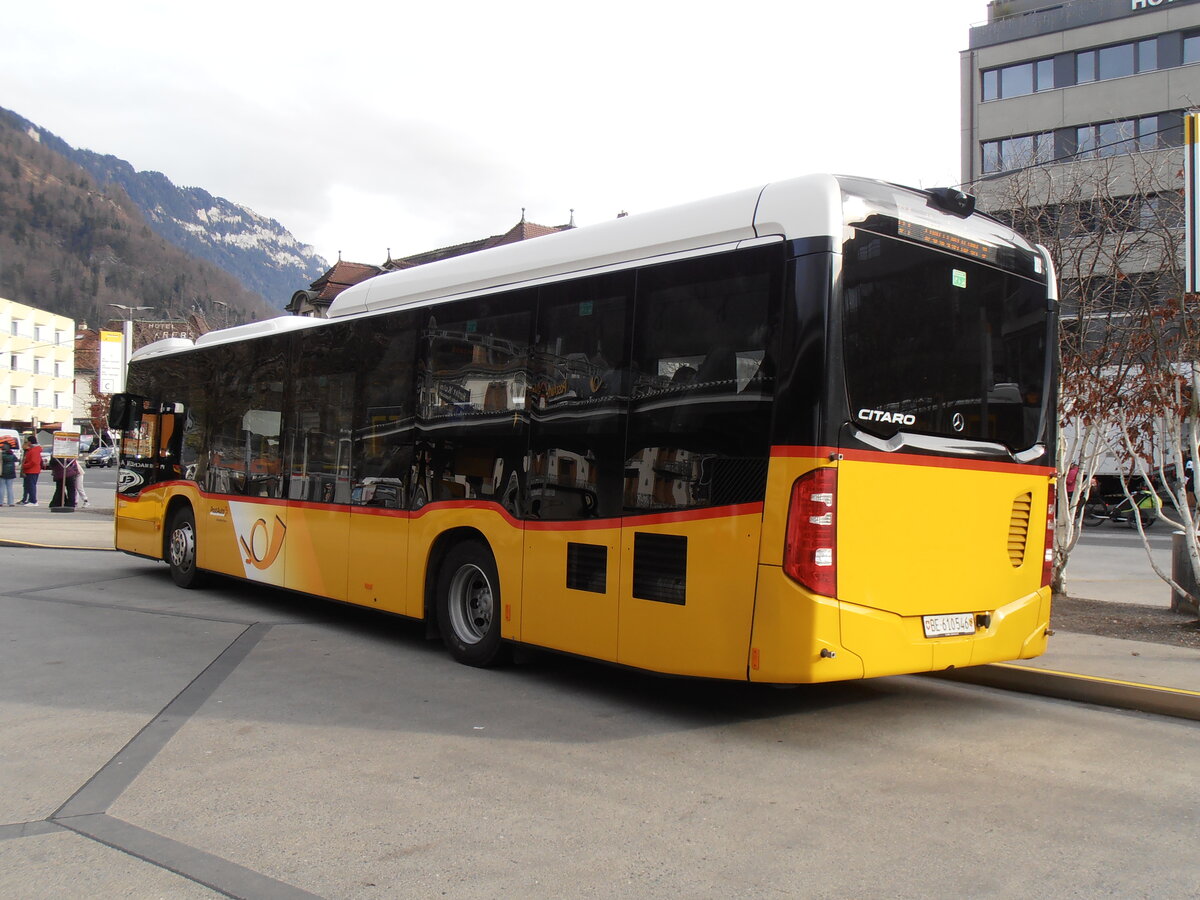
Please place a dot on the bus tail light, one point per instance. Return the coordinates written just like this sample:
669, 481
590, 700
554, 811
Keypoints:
810, 547
1048, 558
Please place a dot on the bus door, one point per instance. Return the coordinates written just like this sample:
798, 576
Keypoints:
696, 463
149, 454
574, 476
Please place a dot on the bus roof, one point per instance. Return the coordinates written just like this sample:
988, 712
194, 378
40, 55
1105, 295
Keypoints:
799, 207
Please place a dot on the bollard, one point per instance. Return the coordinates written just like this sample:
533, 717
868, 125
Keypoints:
1181, 571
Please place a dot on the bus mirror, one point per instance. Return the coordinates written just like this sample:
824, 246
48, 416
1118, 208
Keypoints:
124, 412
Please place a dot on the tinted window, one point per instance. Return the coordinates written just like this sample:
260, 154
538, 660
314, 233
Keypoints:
471, 416
941, 345
578, 397
703, 378
382, 429
320, 407
243, 449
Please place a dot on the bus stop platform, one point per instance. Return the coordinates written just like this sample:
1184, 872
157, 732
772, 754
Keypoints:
1126, 674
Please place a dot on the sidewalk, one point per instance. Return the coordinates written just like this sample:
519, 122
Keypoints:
1105, 671
90, 528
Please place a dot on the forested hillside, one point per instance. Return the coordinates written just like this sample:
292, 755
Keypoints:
73, 247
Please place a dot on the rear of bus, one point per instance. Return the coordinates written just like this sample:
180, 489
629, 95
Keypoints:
909, 507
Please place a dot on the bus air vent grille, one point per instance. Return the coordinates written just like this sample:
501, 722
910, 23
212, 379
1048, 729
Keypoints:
1018, 529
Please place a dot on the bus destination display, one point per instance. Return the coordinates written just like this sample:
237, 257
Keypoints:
955, 243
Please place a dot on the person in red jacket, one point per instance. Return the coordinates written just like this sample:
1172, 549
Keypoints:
31, 467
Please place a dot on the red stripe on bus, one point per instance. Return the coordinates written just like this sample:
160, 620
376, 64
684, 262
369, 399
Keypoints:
671, 518
641, 521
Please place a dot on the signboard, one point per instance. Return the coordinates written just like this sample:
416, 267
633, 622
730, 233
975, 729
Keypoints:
1191, 170
111, 374
66, 445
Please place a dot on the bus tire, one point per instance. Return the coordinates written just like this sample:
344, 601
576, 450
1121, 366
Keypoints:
181, 548
468, 604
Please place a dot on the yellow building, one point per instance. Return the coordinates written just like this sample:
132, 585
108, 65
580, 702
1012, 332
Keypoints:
37, 366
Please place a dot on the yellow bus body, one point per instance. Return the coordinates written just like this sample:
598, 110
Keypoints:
917, 536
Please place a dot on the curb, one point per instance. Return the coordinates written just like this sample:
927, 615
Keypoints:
4, 542
1150, 698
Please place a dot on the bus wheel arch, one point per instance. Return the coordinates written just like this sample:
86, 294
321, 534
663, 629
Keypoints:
179, 543
463, 597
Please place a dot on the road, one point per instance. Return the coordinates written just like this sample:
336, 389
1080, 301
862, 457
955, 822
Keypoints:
159, 742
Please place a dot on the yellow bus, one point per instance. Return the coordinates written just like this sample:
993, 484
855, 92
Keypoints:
799, 433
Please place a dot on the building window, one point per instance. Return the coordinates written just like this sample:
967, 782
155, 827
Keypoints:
1191, 48
59, 403
1106, 139
14, 362
12, 396
1116, 62
16, 328
1018, 152
1147, 55
1018, 80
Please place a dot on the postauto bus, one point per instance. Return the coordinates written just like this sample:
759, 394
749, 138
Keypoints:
799, 433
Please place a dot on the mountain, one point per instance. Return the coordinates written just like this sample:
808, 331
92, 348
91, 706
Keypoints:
258, 251
73, 245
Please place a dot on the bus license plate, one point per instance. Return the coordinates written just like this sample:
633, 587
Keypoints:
950, 625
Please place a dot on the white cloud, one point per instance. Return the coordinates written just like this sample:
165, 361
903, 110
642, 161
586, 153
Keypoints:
363, 126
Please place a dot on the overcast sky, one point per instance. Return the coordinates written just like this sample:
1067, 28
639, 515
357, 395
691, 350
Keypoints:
364, 126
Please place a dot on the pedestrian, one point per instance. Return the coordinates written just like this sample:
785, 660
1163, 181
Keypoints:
80, 493
8, 473
65, 472
31, 468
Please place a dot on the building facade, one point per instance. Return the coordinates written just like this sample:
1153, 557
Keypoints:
1072, 131
37, 367
1084, 79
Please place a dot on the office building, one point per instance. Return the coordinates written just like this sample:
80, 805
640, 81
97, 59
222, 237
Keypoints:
1075, 110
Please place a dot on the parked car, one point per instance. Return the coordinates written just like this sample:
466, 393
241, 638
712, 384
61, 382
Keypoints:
102, 456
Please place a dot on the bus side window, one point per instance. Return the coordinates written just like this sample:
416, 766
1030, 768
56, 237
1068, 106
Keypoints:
578, 400
700, 413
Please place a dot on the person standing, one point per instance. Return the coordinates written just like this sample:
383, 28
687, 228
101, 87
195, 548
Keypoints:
65, 471
8, 473
80, 493
31, 468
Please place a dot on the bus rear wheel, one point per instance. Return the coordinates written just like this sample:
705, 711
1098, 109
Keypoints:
181, 549
468, 604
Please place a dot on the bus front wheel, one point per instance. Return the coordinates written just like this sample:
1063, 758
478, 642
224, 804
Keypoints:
468, 604
181, 549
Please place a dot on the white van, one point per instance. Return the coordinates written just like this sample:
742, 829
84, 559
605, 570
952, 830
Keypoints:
13, 437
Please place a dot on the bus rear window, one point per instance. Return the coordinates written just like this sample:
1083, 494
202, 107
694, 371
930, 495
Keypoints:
940, 344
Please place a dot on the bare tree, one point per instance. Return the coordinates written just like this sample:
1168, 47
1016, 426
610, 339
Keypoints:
1114, 227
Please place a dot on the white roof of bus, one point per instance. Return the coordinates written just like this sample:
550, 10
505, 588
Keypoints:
800, 207
277, 325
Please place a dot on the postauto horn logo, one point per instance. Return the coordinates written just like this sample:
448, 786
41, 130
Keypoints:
260, 548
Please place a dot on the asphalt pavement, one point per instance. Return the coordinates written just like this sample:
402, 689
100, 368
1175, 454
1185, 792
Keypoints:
1106, 671
243, 742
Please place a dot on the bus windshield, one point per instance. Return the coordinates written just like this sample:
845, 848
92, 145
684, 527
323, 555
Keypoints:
941, 344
